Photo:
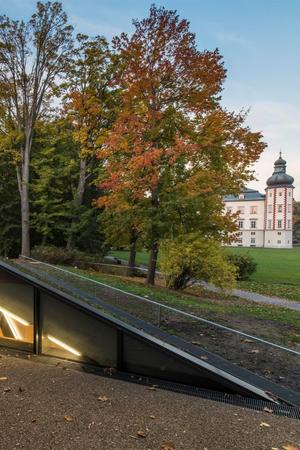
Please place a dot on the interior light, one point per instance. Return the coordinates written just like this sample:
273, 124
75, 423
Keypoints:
14, 316
12, 326
63, 345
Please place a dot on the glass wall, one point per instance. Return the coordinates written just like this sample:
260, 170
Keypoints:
70, 333
16, 312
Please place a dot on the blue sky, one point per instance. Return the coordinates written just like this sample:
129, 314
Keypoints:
260, 41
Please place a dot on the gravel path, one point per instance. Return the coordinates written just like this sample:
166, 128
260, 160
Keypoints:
258, 298
46, 407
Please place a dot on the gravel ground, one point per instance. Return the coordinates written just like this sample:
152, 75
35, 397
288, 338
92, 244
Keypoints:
45, 406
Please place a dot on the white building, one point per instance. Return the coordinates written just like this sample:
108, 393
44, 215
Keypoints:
265, 220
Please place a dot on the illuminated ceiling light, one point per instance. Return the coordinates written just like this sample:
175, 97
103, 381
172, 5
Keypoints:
12, 326
63, 345
13, 316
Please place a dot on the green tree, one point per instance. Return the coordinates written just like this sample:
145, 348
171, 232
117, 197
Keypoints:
9, 209
89, 104
296, 221
54, 177
33, 56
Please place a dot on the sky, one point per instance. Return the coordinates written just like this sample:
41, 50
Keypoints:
259, 40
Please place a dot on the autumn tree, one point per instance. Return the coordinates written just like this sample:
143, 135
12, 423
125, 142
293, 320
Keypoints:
89, 106
33, 55
173, 149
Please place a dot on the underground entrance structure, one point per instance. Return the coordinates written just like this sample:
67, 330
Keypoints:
40, 319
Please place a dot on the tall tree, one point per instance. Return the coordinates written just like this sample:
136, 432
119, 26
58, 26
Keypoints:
88, 103
173, 149
33, 55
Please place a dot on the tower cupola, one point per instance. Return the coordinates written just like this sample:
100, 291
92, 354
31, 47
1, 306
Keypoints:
280, 177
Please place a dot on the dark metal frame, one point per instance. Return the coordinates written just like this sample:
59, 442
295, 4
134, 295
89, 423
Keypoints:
182, 359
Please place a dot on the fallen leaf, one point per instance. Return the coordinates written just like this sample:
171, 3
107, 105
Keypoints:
290, 447
268, 410
8, 389
68, 418
254, 351
141, 434
168, 446
247, 341
3, 378
153, 417
151, 388
103, 398
205, 358
265, 424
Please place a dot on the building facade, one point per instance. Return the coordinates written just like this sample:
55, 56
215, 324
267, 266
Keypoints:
265, 220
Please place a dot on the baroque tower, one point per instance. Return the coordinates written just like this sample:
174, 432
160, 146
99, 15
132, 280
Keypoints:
279, 207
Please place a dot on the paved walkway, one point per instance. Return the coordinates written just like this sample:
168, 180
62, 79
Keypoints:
46, 407
258, 298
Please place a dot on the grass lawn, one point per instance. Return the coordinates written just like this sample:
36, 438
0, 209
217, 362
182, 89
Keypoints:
277, 274
141, 257
279, 266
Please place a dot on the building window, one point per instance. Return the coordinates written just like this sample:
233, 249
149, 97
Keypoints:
269, 241
289, 208
279, 233
278, 242
270, 194
290, 193
229, 209
241, 224
289, 223
279, 208
253, 233
280, 194
270, 208
252, 240
253, 209
241, 210
269, 223
240, 240
252, 223
279, 223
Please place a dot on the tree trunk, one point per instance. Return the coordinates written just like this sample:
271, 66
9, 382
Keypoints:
24, 195
132, 252
77, 202
154, 241
25, 215
152, 263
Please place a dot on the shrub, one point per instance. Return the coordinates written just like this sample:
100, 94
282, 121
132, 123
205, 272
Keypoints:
60, 255
245, 265
192, 257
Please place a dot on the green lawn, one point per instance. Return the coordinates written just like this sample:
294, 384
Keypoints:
279, 266
141, 257
277, 274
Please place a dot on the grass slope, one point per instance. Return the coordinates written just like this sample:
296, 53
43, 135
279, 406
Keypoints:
227, 310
